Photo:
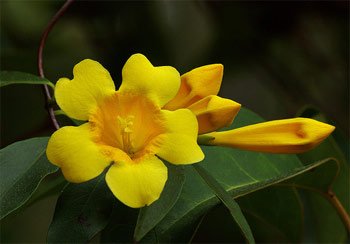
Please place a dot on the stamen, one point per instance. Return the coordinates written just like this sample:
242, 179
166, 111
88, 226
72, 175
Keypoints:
125, 131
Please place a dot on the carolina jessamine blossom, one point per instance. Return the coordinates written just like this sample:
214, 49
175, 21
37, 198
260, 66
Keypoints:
156, 114
127, 129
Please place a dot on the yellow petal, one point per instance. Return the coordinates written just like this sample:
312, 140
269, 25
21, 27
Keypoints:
280, 136
139, 183
197, 84
91, 84
178, 145
72, 149
140, 77
214, 112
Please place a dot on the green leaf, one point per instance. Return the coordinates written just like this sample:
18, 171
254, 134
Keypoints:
327, 227
16, 77
50, 185
82, 211
322, 216
274, 214
228, 201
268, 210
151, 215
121, 227
23, 165
239, 172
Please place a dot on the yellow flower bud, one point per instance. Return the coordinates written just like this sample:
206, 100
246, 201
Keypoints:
197, 84
280, 136
214, 112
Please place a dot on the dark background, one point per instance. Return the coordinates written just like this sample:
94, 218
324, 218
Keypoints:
278, 56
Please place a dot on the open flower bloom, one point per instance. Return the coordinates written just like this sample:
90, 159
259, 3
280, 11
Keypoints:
198, 92
127, 130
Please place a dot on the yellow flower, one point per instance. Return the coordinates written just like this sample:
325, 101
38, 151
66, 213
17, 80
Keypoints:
127, 129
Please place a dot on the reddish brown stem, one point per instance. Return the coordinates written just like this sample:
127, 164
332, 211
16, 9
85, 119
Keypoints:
49, 27
340, 209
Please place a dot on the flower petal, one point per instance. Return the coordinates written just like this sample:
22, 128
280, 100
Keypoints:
90, 85
214, 112
178, 145
139, 183
72, 149
140, 77
280, 136
197, 84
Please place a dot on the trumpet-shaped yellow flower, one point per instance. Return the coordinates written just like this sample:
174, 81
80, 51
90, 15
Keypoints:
127, 129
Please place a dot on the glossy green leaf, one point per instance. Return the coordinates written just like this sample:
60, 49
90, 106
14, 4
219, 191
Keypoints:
151, 215
82, 211
228, 201
16, 77
50, 185
23, 165
328, 226
313, 187
274, 214
239, 172
267, 210
121, 227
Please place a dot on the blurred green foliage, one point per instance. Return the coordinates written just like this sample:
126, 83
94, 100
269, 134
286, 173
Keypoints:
278, 56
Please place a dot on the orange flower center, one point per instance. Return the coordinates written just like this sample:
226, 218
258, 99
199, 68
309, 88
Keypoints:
127, 122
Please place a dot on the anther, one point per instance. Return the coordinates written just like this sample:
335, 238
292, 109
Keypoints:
125, 131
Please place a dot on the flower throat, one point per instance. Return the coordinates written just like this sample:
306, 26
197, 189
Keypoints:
126, 125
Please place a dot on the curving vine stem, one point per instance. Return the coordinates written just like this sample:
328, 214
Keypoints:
43, 39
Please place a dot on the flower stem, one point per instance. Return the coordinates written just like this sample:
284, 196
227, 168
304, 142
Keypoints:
332, 198
52, 85
204, 139
49, 27
59, 112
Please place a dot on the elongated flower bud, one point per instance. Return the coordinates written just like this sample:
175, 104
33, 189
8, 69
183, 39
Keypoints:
280, 136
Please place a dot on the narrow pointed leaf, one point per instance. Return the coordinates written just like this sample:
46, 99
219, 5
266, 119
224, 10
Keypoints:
228, 201
22, 167
151, 215
16, 77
